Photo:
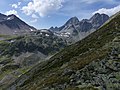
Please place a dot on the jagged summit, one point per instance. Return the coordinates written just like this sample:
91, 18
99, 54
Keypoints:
12, 24
77, 30
72, 21
98, 19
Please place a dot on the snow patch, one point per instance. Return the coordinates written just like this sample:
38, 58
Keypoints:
40, 33
31, 29
10, 18
47, 35
45, 31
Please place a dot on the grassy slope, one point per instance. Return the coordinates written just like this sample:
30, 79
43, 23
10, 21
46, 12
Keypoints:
16, 45
73, 57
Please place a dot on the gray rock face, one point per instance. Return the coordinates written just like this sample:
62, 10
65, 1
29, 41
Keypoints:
69, 24
98, 19
85, 26
11, 24
2, 17
75, 30
103, 74
72, 21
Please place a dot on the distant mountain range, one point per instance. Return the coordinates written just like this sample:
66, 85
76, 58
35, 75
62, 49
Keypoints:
75, 30
11, 24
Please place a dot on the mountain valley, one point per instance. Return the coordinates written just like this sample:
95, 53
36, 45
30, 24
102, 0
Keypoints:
80, 55
89, 64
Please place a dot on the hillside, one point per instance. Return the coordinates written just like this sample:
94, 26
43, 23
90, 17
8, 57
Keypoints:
19, 53
90, 64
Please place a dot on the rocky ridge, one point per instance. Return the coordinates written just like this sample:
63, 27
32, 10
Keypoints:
74, 30
12, 25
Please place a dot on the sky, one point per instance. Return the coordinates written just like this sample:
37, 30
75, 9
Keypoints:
43, 14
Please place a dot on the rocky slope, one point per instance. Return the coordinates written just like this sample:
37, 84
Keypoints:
90, 64
74, 30
18, 54
11, 24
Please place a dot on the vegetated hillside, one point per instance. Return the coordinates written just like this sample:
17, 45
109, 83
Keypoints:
19, 53
45, 42
90, 64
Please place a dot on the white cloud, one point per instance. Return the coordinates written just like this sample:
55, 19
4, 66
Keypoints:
12, 12
19, 3
109, 12
34, 16
14, 5
33, 21
42, 7
94, 1
89, 1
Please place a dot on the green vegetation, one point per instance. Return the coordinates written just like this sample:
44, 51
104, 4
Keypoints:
4, 73
30, 43
83, 88
94, 48
18, 54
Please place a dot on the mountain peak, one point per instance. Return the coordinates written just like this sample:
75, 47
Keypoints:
13, 16
11, 24
85, 20
98, 19
97, 14
73, 20
80, 29
104, 14
74, 17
